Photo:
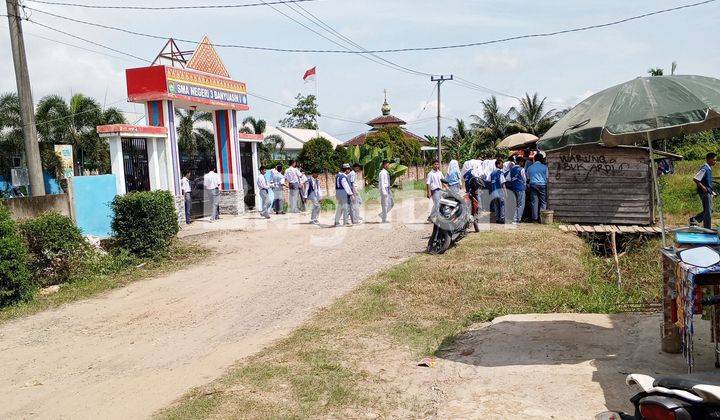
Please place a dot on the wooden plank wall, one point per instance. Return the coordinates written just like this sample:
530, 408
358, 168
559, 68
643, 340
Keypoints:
600, 185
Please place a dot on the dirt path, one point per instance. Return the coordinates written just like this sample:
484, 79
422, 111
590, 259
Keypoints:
134, 350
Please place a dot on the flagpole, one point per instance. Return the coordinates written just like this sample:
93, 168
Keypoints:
317, 103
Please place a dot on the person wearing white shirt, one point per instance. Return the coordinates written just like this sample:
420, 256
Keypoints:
292, 176
313, 192
343, 194
186, 191
264, 188
278, 182
386, 199
211, 182
303, 189
434, 187
355, 185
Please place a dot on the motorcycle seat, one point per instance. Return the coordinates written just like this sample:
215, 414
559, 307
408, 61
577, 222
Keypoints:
677, 383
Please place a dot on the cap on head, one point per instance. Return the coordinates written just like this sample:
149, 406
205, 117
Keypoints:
345, 166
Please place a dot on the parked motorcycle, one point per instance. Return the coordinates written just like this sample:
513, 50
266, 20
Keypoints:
454, 217
669, 398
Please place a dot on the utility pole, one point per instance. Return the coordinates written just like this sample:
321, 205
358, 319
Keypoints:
439, 79
27, 111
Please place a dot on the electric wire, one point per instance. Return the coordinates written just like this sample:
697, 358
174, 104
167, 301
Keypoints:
208, 6
396, 50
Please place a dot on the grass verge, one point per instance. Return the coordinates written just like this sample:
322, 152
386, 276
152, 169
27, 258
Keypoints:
344, 361
102, 272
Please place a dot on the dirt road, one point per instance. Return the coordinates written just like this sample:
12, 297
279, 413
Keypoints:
134, 350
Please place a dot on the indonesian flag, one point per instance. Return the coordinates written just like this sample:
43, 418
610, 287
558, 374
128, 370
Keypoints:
310, 74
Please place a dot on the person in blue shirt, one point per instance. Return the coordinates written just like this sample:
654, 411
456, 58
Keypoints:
453, 176
516, 183
537, 175
704, 184
497, 192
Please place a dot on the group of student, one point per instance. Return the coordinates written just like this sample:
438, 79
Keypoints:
302, 189
517, 175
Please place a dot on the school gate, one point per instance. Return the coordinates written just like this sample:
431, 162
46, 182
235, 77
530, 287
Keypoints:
147, 157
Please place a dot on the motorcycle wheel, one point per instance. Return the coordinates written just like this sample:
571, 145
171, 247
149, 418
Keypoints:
439, 241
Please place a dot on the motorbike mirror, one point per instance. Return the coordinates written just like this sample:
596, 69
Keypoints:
702, 256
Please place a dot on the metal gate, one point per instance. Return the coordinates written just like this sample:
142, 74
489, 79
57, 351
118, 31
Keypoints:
135, 161
246, 165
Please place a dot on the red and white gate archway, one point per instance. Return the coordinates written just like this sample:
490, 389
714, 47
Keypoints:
201, 83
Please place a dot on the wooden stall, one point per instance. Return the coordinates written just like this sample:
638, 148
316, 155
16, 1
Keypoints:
601, 185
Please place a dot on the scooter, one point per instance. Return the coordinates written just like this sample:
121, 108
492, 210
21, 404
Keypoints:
669, 399
454, 217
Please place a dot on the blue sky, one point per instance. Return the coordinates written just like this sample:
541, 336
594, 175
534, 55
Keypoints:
564, 68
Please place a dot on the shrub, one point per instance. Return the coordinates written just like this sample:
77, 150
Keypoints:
317, 155
55, 245
15, 281
327, 204
145, 222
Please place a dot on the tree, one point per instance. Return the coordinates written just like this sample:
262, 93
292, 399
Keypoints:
341, 155
403, 147
11, 133
317, 155
253, 126
303, 115
271, 144
655, 71
492, 123
75, 122
195, 143
531, 117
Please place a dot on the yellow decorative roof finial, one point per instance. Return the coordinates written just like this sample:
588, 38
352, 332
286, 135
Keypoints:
385, 107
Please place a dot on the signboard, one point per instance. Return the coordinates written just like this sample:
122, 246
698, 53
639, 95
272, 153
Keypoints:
190, 86
201, 86
19, 177
65, 152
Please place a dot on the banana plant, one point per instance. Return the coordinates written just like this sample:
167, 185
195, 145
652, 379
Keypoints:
370, 158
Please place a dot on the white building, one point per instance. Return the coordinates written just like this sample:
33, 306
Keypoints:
295, 138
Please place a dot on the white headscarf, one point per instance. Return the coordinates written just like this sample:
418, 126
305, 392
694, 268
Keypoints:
454, 166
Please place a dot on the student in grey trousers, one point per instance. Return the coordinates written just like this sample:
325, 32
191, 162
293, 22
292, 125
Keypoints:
314, 197
264, 187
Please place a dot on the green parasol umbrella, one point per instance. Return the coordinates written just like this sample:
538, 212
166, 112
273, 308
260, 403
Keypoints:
656, 107
638, 112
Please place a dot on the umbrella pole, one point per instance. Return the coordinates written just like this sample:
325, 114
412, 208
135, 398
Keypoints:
653, 171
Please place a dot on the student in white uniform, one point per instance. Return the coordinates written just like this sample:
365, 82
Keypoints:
434, 187
313, 192
343, 194
211, 182
303, 189
292, 176
386, 198
264, 188
278, 182
355, 185
186, 190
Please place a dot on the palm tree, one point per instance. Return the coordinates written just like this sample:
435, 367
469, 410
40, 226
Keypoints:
492, 123
655, 71
253, 126
74, 122
11, 133
271, 144
531, 116
195, 143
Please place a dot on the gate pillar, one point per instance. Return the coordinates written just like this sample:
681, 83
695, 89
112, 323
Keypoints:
228, 162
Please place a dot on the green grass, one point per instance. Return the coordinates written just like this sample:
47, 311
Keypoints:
103, 272
333, 365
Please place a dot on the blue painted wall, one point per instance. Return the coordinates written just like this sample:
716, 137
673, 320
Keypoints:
52, 186
92, 196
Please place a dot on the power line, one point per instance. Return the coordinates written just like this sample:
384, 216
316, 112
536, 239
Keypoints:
308, 15
97, 44
209, 6
396, 50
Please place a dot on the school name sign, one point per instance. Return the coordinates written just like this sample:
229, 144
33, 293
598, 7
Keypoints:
189, 86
